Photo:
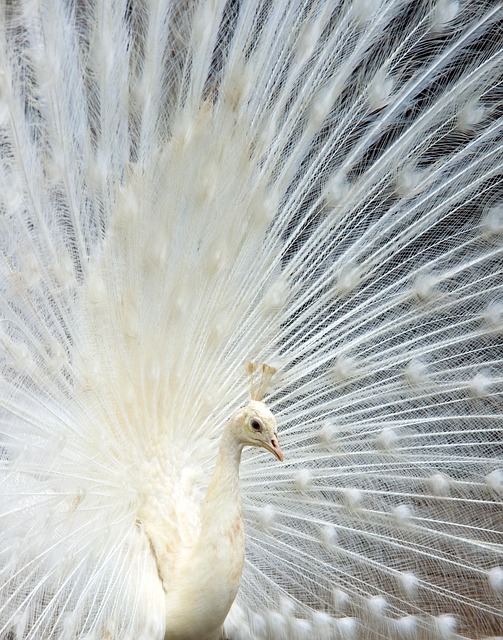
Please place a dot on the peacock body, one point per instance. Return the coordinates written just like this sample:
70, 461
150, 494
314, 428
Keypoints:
189, 187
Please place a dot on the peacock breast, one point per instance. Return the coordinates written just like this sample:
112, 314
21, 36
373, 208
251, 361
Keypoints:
205, 582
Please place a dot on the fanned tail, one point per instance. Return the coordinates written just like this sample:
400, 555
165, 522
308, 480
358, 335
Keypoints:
185, 188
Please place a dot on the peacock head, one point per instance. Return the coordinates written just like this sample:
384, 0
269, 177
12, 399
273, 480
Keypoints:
255, 423
258, 428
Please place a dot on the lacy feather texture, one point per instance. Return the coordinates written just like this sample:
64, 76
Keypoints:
186, 187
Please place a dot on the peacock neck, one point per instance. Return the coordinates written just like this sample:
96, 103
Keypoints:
206, 577
223, 490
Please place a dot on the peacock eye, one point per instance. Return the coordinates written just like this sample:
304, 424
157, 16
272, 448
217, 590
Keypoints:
255, 425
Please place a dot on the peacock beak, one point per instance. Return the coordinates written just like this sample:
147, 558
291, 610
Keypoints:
274, 448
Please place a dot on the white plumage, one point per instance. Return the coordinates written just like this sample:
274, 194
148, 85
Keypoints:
189, 186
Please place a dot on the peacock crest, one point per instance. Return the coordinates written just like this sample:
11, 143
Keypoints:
260, 377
